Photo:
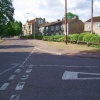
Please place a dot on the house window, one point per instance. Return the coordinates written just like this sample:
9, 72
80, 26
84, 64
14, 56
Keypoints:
98, 25
29, 27
89, 26
57, 27
62, 27
40, 21
52, 28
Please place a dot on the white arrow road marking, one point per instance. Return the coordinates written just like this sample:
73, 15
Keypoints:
24, 77
69, 75
20, 86
14, 97
4, 86
28, 70
12, 77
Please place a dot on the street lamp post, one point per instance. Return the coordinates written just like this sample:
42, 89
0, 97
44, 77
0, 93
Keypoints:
34, 24
66, 20
92, 17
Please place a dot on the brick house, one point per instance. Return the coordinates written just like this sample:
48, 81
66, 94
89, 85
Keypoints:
31, 26
74, 25
96, 25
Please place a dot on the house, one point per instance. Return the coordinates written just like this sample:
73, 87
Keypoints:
31, 26
74, 25
96, 25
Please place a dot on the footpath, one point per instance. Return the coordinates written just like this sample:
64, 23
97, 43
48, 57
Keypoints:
43, 46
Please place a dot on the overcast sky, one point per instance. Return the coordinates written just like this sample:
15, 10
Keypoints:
53, 9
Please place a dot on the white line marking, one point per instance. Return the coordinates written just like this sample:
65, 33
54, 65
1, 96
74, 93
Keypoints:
28, 70
4, 86
24, 77
48, 51
69, 75
17, 70
27, 58
12, 77
14, 97
8, 69
20, 86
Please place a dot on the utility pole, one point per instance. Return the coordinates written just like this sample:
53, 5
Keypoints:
92, 17
66, 20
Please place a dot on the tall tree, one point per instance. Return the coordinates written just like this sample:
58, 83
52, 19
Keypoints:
70, 15
6, 13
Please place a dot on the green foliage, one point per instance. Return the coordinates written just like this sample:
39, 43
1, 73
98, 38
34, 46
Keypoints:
85, 38
74, 37
37, 36
6, 14
70, 15
56, 38
13, 28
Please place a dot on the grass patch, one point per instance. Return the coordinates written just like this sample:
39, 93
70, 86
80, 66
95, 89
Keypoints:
69, 46
1, 40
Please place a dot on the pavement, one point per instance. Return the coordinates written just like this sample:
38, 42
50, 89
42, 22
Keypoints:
41, 45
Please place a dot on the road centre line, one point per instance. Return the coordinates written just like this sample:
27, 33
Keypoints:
8, 69
26, 58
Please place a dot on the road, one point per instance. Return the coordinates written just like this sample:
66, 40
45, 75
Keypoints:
29, 73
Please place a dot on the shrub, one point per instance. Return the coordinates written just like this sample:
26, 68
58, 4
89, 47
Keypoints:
74, 37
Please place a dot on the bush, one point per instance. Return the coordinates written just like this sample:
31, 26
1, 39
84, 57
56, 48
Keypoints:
56, 38
74, 37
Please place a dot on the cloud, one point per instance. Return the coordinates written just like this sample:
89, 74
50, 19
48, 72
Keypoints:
53, 10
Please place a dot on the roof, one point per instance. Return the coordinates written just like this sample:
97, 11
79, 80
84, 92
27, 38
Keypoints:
95, 19
56, 23
31, 21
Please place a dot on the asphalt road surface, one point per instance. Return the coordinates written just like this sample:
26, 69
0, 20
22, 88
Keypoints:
28, 73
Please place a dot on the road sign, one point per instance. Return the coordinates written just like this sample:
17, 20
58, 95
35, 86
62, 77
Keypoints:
69, 75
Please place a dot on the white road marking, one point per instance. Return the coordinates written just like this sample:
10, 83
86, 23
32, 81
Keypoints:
24, 77
69, 75
8, 69
28, 70
27, 58
20, 86
17, 70
21, 66
12, 77
48, 51
4, 86
14, 97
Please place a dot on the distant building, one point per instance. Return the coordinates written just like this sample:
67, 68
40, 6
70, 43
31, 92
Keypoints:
31, 26
96, 25
74, 25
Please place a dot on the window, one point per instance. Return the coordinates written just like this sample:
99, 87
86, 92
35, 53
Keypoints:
52, 28
62, 27
29, 27
40, 21
98, 25
89, 26
57, 27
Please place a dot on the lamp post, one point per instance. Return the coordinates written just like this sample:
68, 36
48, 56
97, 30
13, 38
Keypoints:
92, 17
66, 20
34, 24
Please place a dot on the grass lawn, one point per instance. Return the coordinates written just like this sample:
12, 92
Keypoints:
69, 46
1, 40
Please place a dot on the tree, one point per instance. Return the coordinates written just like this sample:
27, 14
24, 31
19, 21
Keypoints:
70, 15
6, 14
